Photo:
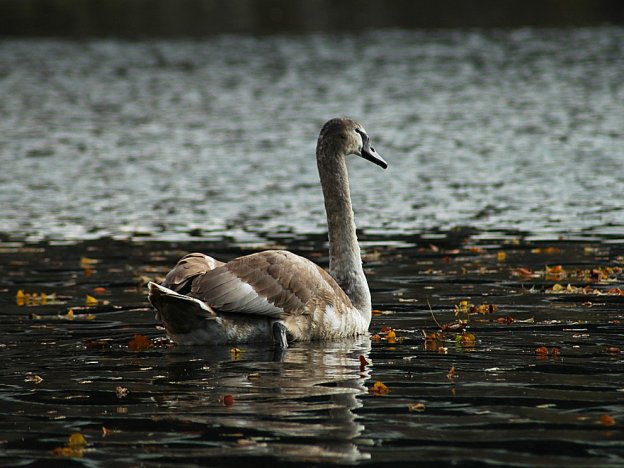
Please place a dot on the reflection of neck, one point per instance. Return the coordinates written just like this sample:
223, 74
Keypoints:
345, 262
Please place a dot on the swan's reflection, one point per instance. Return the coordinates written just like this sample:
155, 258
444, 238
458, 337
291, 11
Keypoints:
298, 404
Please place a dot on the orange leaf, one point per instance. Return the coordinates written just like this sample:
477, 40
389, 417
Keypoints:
139, 343
613, 350
99, 290
541, 350
607, 420
391, 336
451, 374
379, 388
363, 363
375, 337
228, 400
521, 272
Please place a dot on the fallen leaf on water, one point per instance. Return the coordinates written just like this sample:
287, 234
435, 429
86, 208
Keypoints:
541, 351
416, 407
523, 272
607, 420
91, 301
501, 256
253, 375
99, 290
613, 350
33, 378
76, 439
75, 446
235, 352
139, 343
375, 337
228, 400
379, 388
121, 392
554, 352
391, 336
20, 298
466, 340
451, 375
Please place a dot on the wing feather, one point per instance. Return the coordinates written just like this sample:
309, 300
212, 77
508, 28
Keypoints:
272, 283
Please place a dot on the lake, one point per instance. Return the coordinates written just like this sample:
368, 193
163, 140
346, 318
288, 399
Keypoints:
493, 245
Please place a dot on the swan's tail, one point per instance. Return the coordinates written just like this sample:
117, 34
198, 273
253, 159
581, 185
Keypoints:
184, 317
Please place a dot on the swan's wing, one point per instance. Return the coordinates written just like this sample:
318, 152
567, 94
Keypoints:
189, 267
273, 283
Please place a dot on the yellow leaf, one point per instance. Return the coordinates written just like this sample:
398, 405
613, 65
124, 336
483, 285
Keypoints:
501, 256
86, 262
76, 439
20, 299
91, 301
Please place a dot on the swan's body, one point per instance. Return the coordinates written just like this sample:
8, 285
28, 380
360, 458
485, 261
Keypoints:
275, 294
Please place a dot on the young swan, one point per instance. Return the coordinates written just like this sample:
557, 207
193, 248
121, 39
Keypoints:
275, 294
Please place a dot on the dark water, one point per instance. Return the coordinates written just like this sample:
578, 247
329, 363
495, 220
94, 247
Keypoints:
519, 129
503, 404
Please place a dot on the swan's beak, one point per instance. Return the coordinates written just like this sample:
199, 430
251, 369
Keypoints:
369, 153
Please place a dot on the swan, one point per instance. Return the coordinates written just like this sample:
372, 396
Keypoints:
275, 295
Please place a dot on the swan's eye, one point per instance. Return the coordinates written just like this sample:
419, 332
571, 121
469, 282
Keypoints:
372, 149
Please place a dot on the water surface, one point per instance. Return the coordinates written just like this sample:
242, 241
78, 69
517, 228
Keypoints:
517, 129
493, 400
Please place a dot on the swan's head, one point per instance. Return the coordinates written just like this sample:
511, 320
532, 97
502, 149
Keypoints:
341, 137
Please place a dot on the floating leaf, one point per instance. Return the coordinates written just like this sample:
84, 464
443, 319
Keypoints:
379, 388
33, 378
139, 343
76, 439
121, 392
613, 350
75, 446
466, 340
375, 337
501, 256
451, 375
235, 353
607, 420
20, 298
228, 400
541, 352
391, 336
91, 301
416, 407
99, 290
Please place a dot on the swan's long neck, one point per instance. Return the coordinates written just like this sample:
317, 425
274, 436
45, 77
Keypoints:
345, 262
